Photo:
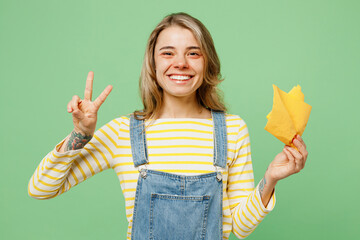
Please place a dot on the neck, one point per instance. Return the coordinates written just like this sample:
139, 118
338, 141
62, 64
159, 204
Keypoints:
176, 107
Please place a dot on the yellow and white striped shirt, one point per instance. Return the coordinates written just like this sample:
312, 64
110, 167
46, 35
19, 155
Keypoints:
175, 145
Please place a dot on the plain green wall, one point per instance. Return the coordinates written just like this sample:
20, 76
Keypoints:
48, 47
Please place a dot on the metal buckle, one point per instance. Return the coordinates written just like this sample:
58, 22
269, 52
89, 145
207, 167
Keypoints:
219, 176
143, 173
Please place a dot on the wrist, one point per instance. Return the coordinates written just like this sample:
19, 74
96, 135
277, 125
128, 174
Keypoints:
77, 140
266, 188
271, 181
82, 132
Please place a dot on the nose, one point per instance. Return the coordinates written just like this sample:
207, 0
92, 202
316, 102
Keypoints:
180, 62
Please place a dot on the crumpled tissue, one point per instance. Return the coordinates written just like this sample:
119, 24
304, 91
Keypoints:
289, 115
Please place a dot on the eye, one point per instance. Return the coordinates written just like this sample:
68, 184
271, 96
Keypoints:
167, 53
194, 54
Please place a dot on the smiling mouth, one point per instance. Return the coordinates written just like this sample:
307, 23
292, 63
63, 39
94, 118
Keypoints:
180, 77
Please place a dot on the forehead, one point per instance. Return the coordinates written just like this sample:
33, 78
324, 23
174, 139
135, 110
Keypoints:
177, 37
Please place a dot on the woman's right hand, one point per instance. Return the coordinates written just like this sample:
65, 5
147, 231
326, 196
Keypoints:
84, 111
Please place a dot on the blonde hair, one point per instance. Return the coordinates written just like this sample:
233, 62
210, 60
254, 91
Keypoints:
207, 95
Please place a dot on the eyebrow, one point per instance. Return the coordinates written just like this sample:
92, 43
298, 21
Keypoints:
171, 47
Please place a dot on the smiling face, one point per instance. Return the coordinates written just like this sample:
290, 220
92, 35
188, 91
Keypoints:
179, 63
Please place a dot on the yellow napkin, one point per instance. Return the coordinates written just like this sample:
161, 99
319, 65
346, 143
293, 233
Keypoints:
289, 115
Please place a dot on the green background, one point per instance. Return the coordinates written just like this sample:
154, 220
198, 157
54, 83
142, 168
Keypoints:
48, 47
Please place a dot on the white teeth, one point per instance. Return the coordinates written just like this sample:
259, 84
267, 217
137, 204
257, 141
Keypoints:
179, 77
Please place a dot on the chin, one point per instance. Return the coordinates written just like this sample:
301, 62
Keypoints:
180, 94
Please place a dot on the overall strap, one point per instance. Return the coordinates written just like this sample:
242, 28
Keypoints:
138, 141
220, 138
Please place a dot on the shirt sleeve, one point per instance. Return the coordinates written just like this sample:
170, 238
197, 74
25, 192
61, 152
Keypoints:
246, 207
58, 172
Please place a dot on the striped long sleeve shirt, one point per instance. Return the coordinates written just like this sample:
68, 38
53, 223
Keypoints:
175, 145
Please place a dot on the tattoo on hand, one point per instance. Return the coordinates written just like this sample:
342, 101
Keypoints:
262, 185
77, 141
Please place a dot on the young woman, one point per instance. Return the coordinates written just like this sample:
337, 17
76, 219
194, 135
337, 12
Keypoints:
183, 163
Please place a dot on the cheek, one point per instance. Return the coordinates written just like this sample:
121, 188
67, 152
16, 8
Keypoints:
161, 65
199, 67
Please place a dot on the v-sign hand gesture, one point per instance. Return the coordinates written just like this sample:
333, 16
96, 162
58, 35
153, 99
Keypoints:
84, 111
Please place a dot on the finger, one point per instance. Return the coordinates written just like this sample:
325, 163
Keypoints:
101, 99
299, 159
293, 166
294, 152
89, 86
302, 149
69, 108
300, 146
75, 102
75, 106
291, 159
298, 137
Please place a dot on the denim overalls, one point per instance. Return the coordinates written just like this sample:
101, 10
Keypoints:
170, 206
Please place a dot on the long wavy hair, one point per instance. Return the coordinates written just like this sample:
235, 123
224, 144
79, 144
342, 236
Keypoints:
207, 95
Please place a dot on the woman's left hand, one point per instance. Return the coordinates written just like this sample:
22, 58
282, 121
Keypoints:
288, 162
